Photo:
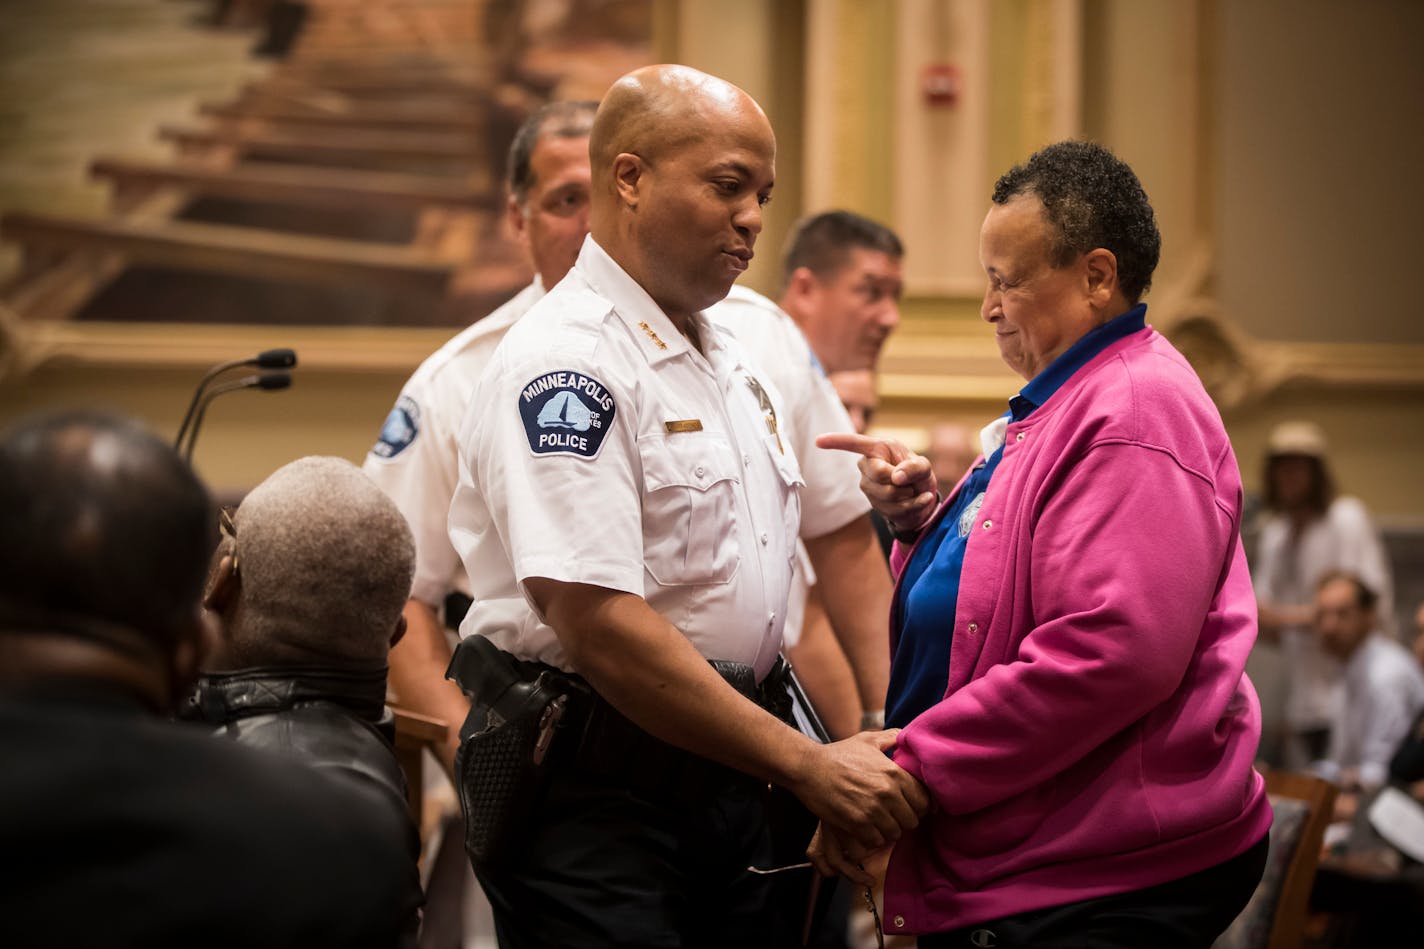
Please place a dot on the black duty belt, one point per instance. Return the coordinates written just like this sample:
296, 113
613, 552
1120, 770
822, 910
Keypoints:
601, 742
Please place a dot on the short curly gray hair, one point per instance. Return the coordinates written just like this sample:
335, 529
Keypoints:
1091, 199
325, 561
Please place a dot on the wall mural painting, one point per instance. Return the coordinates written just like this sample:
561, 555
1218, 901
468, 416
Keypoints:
331, 162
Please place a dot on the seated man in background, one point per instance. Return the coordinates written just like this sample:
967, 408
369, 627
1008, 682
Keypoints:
1383, 689
1407, 765
312, 574
118, 828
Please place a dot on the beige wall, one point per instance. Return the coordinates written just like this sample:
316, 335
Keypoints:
1320, 147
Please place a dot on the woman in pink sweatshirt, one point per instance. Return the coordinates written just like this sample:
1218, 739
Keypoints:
1072, 621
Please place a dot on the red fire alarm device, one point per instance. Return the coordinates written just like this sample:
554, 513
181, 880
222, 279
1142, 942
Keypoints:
940, 83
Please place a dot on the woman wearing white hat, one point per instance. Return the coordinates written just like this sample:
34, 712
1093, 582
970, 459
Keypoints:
1308, 531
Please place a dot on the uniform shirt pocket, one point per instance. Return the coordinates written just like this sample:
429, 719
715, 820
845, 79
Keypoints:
689, 508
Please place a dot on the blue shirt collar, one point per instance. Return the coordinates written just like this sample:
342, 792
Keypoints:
1042, 386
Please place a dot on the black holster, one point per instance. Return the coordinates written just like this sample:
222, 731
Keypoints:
520, 717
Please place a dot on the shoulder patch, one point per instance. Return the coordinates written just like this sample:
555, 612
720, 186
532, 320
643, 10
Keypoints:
399, 430
566, 413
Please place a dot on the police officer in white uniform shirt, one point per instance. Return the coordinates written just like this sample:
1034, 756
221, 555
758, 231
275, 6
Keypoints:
626, 512
414, 458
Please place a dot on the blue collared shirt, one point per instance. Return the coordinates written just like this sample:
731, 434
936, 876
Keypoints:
929, 589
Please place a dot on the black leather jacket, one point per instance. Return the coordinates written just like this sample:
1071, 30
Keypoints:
333, 720
329, 718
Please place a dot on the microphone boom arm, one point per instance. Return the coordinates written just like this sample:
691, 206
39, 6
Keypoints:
270, 381
267, 359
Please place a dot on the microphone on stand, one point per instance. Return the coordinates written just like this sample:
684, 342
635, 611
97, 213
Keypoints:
270, 381
267, 359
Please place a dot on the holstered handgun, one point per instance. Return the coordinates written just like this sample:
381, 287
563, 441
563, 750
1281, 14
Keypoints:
508, 742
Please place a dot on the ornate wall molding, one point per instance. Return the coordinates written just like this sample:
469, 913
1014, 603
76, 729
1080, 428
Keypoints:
154, 346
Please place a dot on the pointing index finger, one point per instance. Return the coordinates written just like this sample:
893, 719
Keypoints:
861, 445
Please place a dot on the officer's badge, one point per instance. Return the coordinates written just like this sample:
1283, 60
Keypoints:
399, 430
566, 413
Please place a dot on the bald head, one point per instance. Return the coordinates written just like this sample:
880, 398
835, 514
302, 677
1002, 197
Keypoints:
324, 563
682, 164
658, 109
103, 523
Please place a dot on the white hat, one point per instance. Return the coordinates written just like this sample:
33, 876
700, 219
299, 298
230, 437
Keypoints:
1297, 438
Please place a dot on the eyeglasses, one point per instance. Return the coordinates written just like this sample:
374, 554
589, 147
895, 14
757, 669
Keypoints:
865, 894
869, 898
228, 528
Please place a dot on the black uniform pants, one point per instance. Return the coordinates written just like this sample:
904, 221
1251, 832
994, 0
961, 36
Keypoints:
1183, 914
604, 866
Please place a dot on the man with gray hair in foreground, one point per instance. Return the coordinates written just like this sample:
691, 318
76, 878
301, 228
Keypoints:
312, 574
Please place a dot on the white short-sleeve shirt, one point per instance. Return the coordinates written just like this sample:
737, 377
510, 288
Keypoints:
602, 448
832, 498
415, 456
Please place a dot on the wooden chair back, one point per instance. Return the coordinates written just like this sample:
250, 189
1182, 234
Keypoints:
415, 733
1289, 921
1275, 917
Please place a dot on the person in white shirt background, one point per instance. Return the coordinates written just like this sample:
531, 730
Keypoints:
841, 288
1382, 689
1309, 529
414, 459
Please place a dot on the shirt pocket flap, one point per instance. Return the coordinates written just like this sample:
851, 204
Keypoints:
687, 459
784, 462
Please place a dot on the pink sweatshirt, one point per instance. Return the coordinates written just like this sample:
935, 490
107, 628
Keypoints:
1098, 731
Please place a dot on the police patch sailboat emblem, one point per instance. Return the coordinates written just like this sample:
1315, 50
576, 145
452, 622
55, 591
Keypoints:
566, 413
566, 410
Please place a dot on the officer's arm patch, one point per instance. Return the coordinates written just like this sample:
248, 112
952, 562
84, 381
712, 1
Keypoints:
566, 413
399, 430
